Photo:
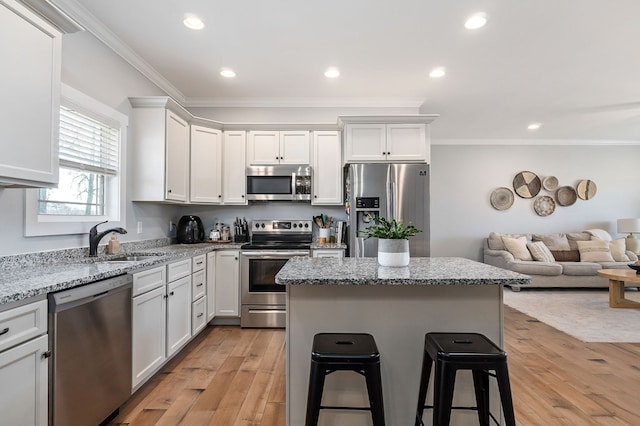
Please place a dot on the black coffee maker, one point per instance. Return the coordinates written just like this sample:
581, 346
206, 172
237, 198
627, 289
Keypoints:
190, 230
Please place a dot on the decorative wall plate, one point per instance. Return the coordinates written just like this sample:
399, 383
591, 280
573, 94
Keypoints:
566, 196
544, 205
550, 183
526, 184
501, 198
586, 189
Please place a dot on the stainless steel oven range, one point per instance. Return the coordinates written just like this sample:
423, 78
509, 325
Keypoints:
273, 242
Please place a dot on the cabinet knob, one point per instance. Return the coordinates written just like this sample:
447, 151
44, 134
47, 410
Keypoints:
45, 354
242, 196
171, 294
315, 196
168, 190
277, 158
199, 315
236, 258
4, 331
219, 196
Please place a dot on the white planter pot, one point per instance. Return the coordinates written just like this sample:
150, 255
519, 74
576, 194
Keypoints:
393, 253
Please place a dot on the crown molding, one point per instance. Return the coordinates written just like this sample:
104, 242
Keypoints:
302, 102
86, 19
55, 16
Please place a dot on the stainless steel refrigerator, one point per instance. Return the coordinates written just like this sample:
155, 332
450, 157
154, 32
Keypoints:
395, 191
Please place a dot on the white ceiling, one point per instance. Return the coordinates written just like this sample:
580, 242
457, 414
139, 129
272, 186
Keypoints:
573, 65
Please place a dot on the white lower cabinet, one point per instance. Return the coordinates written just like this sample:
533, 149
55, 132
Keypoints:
327, 253
149, 320
24, 365
211, 285
178, 314
227, 283
169, 309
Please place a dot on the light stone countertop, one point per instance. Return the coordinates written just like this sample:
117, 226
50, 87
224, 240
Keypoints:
24, 277
421, 271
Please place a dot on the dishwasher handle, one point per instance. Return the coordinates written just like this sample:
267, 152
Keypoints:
80, 295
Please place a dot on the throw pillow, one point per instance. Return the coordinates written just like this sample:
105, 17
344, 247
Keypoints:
540, 252
517, 247
495, 240
553, 241
594, 251
617, 248
599, 234
566, 255
574, 237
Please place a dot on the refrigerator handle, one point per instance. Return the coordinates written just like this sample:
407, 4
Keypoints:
392, 193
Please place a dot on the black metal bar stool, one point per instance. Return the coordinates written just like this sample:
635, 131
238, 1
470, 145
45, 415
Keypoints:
339, 352
463, 351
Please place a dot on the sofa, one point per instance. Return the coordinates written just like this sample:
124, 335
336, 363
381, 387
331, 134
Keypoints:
559, 260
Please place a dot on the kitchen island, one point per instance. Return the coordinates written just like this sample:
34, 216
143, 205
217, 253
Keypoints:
397, 306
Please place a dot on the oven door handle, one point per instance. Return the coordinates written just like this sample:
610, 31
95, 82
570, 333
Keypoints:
259, 254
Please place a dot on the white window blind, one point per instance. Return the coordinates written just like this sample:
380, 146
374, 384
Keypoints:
88, 144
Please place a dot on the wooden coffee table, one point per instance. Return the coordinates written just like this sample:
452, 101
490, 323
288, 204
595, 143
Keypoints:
617, 277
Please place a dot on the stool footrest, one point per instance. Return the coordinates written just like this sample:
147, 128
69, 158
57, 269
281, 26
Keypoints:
343, 407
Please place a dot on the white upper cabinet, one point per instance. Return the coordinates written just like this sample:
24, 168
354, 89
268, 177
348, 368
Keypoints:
327, 168
160, 150
177, 160
278, 147
387, 138
30, 86
234, 174
206, 165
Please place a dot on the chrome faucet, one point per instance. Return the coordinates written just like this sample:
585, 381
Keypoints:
95, 237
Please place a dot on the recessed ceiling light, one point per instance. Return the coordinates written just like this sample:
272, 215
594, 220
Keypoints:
229, 73
476, 21
193, 22
332, 73
534, 126
437, 72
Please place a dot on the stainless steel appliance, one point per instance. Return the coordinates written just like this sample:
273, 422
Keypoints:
279, 183
394, 191
90, 340
190, 230
273, 243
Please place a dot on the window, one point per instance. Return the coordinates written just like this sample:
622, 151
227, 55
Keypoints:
89, 191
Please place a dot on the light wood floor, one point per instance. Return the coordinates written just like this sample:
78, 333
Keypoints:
235, 377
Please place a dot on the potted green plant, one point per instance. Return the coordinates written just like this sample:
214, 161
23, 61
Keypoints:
393, 240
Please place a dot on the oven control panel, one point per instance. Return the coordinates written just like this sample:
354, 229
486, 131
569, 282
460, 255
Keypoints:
282, 226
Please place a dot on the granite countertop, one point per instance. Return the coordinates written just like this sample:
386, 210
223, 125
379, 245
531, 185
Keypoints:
327, 246
42, 273
421, 271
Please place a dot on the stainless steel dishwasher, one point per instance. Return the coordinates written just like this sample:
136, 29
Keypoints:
90, 340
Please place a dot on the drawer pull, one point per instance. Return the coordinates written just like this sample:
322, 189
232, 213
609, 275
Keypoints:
199, 285
199, 315
5, 331
199, 263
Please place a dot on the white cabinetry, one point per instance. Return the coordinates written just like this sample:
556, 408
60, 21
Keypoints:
160, 150
30, 86
387, 138
23, 365
211, 285
206, 165
227, 283
178, 305
327, 253
327, 168
278, 147
234, 178
199, 294
149, 323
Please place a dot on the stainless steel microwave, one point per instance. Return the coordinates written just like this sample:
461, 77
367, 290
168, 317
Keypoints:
279, 183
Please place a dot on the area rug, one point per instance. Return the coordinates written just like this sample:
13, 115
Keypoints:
583, 314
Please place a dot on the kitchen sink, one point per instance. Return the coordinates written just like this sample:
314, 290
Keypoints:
131, 258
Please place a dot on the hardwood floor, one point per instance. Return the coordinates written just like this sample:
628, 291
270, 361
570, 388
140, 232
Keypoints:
235, 377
